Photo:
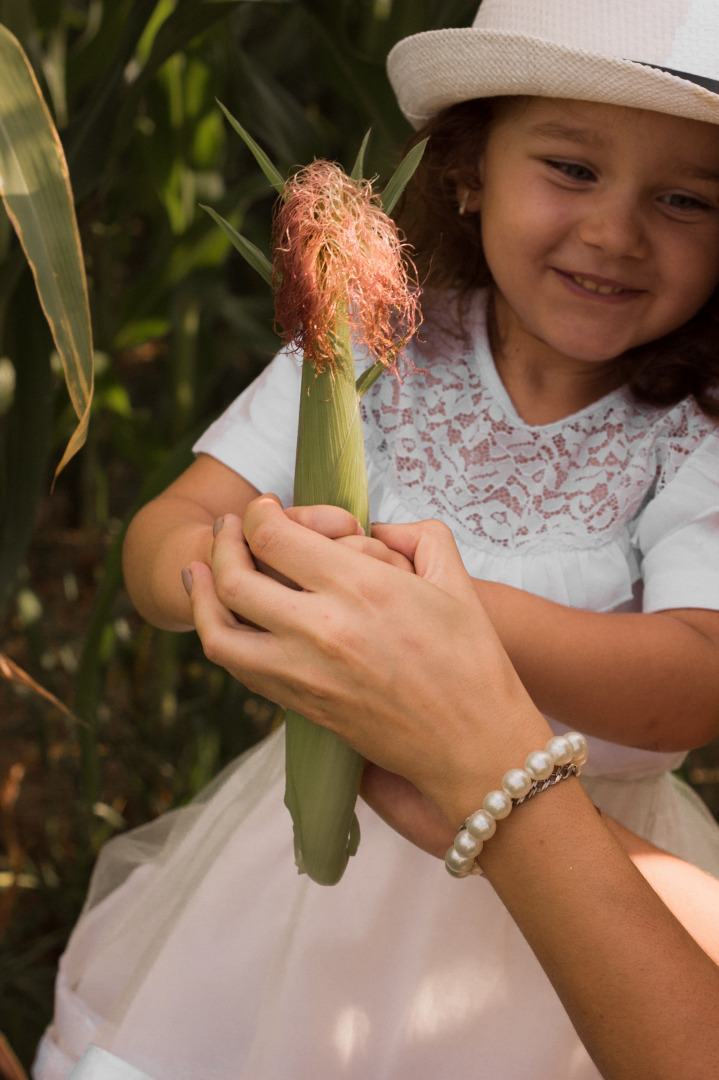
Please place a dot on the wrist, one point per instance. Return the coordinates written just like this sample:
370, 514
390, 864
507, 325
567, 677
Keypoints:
479, 765
561, 758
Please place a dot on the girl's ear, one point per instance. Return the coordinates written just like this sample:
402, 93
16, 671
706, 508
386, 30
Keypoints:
468, 200
474, 200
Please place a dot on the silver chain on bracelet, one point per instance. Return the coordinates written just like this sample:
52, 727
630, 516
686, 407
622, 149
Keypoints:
541, 785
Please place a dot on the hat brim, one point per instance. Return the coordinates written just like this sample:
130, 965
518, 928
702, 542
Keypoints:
438, 68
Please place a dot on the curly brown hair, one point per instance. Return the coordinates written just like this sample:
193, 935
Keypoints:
448, 255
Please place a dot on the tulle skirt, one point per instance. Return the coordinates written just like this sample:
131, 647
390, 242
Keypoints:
201, 954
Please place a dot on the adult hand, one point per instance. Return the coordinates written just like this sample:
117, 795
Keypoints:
406, 668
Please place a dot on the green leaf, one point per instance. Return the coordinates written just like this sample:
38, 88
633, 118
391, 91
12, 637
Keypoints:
249, 251
358, 167
260, 156
403, 174
369, 377
35, 188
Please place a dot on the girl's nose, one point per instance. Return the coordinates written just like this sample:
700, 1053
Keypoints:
615, 227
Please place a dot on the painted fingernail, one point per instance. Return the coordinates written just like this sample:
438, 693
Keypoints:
187, 579
217, 526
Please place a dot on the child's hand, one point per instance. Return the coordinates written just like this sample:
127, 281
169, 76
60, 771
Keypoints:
339, 525
329, 521
406, 810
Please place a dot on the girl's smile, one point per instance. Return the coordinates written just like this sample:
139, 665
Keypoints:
600, 288
600, 225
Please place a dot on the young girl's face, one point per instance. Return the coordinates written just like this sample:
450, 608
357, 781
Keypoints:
600, 225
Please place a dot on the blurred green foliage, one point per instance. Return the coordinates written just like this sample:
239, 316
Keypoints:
180, 326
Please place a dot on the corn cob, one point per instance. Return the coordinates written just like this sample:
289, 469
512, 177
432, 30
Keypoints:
339, 277
322, 773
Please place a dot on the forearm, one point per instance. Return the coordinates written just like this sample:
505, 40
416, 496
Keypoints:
174, 530
641, 993
641, 680
162, 539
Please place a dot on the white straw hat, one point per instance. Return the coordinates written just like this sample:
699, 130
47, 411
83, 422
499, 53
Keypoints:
648, 54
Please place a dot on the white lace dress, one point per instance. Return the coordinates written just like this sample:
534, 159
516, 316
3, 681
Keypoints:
202, 955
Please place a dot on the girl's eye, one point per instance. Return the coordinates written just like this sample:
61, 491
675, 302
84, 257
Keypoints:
677, 201
571, 169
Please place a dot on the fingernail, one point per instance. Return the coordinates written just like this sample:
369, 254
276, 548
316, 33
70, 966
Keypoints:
187, 579
217, 526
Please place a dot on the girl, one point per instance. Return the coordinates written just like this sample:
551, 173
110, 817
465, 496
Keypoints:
563, 427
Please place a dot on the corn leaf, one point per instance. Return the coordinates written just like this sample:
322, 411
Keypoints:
258, 153
249, 251
13, 673
358, 167
35, 188
369, 377
401, 177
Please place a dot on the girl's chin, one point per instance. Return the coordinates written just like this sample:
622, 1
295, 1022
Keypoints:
588, 339
585, 351
587, 343
595, 359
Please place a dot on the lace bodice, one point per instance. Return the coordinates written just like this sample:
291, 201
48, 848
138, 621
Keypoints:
451, 439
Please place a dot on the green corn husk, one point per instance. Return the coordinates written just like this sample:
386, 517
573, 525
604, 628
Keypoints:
322, 773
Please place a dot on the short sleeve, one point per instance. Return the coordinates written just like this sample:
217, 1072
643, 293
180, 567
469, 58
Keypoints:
677, 536
257, 435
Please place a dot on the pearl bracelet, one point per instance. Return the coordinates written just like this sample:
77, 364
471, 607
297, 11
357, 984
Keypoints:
563, 756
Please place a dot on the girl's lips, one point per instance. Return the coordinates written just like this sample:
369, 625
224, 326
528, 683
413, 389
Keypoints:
598, 288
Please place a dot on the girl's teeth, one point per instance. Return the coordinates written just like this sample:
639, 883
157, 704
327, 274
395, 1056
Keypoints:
592, 286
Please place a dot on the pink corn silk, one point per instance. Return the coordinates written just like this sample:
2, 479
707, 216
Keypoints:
337, 256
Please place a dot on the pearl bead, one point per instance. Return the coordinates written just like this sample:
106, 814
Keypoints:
456, 863
481, 825
580, 747
457, 873
560, 749
516, 783
497, 804
467, 845
539, 764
